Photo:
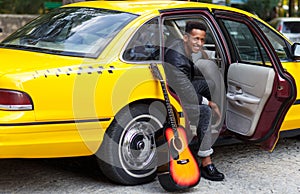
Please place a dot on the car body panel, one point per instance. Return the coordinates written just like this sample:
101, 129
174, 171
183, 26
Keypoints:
75, 97
291, 120
61, 86
31, 142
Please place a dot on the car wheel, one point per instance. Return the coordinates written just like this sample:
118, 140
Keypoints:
128, 154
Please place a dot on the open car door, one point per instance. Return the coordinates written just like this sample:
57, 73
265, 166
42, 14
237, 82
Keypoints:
259, 91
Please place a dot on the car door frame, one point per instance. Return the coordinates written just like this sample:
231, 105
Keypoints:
206, 15
266, 133
267, 129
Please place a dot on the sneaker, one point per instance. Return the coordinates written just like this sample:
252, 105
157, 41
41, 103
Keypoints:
210, 172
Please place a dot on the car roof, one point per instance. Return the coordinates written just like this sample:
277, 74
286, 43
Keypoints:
286, 19
144, 7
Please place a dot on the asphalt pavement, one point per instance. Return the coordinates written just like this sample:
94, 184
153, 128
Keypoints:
248, 169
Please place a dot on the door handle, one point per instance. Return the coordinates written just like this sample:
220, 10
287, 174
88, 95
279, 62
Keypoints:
242, 98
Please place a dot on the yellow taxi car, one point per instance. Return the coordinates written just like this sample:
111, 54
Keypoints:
76, 81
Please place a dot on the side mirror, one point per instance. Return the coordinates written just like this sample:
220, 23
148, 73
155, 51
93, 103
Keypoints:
296, 51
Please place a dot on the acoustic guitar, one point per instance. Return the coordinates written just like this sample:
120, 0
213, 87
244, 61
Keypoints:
183, 171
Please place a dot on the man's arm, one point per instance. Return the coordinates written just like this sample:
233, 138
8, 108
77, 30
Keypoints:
179, 76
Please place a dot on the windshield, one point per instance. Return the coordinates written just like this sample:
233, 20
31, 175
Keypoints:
70, 31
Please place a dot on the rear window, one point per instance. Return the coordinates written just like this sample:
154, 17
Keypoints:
81, 32
291, 27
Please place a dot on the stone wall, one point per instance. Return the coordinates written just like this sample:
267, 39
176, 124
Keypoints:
10, 23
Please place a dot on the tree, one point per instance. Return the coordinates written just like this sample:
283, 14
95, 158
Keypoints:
298, 12
70, 1
21, 6
262, 8
291, 8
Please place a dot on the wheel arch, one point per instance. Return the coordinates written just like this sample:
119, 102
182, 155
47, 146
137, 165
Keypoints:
177, 108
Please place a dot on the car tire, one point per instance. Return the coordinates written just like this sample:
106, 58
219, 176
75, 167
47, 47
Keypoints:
128, 154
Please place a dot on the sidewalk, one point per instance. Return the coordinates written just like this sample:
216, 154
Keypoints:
2, 36
9, 23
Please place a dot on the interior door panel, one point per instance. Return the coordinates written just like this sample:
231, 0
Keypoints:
249, 87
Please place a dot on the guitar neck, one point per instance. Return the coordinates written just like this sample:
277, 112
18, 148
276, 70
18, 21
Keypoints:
168, 105
156, 73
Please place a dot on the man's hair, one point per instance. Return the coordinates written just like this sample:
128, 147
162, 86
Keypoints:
190, 25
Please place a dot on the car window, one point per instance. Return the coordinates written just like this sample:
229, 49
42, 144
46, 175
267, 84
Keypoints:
145, 44
208, 63
247, 47
174, 27
70, 31
278, 42
291, 27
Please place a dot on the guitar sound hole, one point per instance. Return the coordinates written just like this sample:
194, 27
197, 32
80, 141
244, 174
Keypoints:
177, 144
173, 150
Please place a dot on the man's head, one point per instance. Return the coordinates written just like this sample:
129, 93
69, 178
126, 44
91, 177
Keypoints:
194, 37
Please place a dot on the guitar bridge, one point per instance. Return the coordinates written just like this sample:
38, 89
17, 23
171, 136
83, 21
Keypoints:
185, 161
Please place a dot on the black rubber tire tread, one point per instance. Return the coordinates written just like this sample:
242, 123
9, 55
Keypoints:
108, 151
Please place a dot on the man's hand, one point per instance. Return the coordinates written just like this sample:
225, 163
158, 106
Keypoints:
215, 108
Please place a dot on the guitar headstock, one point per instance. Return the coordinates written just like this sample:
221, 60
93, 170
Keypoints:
155, 71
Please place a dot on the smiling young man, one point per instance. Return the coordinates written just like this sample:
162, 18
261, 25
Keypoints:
194, 93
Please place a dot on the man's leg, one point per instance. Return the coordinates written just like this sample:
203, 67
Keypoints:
208, 170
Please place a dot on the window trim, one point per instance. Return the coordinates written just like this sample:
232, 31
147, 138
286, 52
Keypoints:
142, 62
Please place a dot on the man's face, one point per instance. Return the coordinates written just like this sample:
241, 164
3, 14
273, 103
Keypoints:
195, 40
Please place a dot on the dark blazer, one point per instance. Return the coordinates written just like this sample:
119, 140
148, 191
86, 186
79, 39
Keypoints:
180, 74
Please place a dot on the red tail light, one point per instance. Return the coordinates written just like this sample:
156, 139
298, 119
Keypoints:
279, 28
15, 100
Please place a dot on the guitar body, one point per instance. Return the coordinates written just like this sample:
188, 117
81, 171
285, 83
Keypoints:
182, 168
183, 171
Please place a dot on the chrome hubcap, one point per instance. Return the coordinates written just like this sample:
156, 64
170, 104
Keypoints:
137, 148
